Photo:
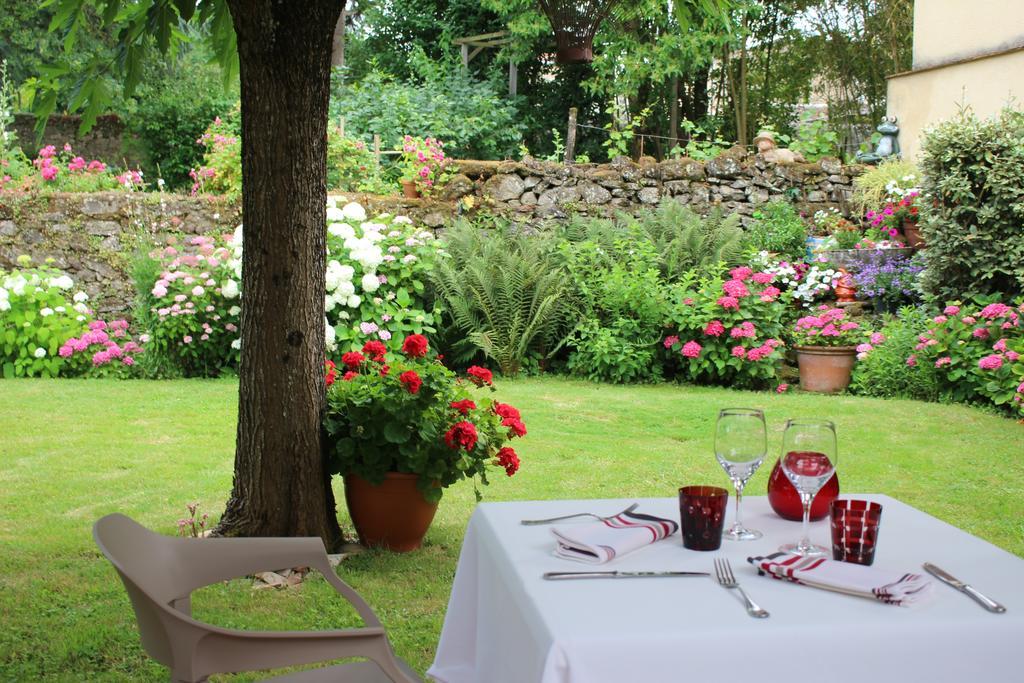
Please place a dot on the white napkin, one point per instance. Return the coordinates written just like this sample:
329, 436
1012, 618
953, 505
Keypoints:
844, 577
600, 542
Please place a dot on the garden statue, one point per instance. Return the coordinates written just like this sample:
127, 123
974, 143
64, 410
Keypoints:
888, 145
767, 148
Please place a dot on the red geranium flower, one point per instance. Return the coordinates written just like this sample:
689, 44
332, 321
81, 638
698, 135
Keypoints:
332, 372
480, 376
375, 350
508, 459
415, 346
352, 359
350, 375
515, 427
505, 410
411, 381
461, 434
384, 370
463, 406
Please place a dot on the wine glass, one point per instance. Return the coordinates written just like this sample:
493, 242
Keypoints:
808, 459
740, 447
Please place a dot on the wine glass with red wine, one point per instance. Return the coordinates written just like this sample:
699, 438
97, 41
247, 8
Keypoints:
809, 457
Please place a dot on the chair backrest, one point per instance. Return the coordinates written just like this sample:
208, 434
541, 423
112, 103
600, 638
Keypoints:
151, 572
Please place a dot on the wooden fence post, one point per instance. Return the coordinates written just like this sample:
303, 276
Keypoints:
570, 138
376, 148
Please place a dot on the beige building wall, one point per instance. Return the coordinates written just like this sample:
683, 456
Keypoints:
967, 53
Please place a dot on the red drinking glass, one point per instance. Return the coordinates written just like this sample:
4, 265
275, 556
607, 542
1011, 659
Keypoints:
855, 530
702, 516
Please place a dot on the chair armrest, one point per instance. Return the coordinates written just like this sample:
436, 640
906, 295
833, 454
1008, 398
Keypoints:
211, 560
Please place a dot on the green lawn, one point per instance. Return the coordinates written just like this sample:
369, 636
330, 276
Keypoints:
72, 451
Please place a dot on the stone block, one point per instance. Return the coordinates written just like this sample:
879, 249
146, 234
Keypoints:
649, 195
102, 227
592, 193
503, 187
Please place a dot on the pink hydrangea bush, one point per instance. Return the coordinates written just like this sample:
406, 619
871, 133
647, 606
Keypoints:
979, 352
827, 326
104, 349
728, 331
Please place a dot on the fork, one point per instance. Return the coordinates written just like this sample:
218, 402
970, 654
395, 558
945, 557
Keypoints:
726, 579
534, 522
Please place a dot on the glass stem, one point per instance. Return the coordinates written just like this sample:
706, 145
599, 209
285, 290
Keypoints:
805, 535
739, 497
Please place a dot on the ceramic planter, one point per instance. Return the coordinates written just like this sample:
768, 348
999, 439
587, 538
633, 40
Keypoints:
913, 235
393, 515
409, 190
825, 369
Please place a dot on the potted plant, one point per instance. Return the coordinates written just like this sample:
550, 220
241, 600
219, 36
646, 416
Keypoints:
423, 165
401, 428
890, 283
826, 348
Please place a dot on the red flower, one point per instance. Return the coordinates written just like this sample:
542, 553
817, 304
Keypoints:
375, 350
352, 359
411, 381
508, 459
461, 434
332, 372
415, 346
515, 426
505, 410
480, 376
350, 375
384, 370
463, 406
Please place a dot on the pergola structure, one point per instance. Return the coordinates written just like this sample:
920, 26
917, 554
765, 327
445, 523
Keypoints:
485, 40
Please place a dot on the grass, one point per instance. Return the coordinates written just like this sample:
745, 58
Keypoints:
72, 451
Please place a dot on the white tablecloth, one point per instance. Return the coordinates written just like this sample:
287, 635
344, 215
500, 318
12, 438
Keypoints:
506, 624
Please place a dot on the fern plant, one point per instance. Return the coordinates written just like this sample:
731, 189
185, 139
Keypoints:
689, 242
505, 294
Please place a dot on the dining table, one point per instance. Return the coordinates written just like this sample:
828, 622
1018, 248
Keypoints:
505, 623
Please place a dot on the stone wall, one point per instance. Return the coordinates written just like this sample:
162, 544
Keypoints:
95, 236
104, 141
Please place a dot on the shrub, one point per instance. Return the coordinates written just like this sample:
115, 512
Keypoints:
105, 350
350, 165
221, 170
728, 331
506, 295
882, 368
778, 228
884, 182
618, 352
61, 171
36, 317
974, 208
688, 242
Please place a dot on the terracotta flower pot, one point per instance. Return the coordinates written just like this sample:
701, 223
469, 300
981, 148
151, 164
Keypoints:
394, 515
913, 235
825, 369
409, 190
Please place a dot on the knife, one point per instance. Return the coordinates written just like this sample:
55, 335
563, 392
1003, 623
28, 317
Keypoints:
947, 578
617, 575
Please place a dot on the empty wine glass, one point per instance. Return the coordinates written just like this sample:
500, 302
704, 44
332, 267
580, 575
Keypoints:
809, 457
740, 447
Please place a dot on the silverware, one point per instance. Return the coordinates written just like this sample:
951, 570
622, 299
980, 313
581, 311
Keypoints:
534, 522
947, 578
726, 579
616, 575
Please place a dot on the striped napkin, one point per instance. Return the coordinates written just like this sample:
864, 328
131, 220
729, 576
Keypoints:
843, 577
600, 542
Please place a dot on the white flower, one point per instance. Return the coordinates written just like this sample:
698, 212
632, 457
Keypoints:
236, 237
354, 301
40, 352
346, 273
80, 318
16, 284
62, 282
5, 305
81, 308
46, 312
370, 282
335, 214
345, 290
229, 289
403, 219
79, 297
354, 211
60, 309
234, 310
342, 230
144, 338
331, 202
329, 336
4, 294
329, 303
237, 344
409, 258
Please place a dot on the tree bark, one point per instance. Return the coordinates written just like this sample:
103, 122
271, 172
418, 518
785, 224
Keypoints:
281, 485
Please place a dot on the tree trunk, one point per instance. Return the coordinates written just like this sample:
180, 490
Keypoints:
281, 485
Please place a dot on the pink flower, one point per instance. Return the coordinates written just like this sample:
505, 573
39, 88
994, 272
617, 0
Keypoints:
1012, 356
741, 273
128, 360
770, 293
993, 362
688, 301
758, 353
100, 358
968, 320
669, 341
735, 288
764, 279
187, 339
774, 343
65, 351
691, 349
912, 360
746, 329
951, 310
782, 388
728, 302
425, 172
995, 311
939, 319
980, 333
999, 345
49, 172
714, 328
739, 352
945, 360
847, 326
865, 348
877, 338
1020, 389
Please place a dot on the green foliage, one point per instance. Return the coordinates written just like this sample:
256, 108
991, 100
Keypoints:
883, 371
402, 419
813, 138
972, 173
8, 139
474, 118
686, 241
221, 171
621, 133
778, 228
620, 352
701, 144
36, 318
873, 188
350, 164
505, 294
